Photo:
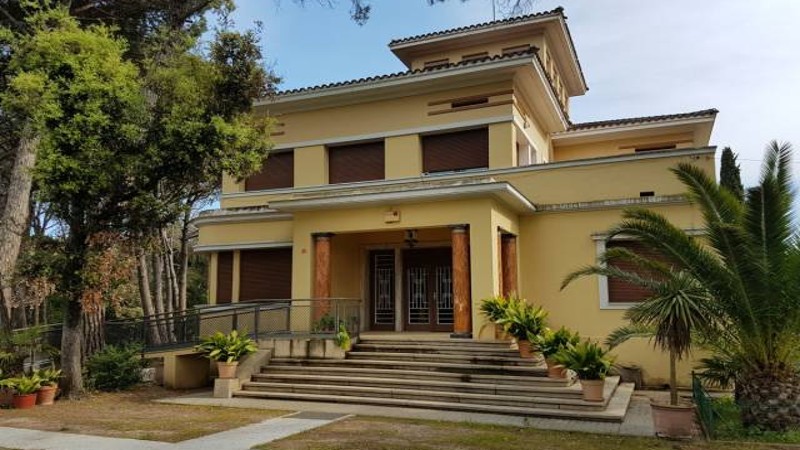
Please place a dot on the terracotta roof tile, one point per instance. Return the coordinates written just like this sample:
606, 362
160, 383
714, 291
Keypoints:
366, 80
640, 120
478, 26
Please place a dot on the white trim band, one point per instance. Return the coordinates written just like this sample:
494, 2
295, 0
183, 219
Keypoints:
241, 246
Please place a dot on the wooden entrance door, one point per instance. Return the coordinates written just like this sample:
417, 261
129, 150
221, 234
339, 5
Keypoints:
428, 289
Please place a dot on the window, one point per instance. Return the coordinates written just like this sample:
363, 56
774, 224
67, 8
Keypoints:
437, 63
526, 155
615, 293
357, 162
265, 274
462, 150
276, 172
224, 277
516, 49
475, 57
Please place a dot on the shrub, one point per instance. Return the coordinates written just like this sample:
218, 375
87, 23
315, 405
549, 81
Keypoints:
342, 338
115, 368
227, 347
23, 385
586, 359
523, 321
551, 342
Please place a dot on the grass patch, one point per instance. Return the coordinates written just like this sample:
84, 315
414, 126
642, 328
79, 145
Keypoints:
729, 426
133, 414
395, 434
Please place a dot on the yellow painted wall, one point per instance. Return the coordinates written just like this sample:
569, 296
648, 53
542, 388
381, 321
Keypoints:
555, 244
607, 181
310, 166
502, 145
245, 232
384, 116
493, 48
403, 156
623, 146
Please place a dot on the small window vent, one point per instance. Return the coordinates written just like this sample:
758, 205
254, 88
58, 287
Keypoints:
653, 148
469, 102
437, 63
647, 194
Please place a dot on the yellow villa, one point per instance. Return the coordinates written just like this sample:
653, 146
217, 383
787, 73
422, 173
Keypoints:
464, 177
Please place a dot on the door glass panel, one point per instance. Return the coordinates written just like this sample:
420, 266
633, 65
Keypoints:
383, 288
444, 295
417, 288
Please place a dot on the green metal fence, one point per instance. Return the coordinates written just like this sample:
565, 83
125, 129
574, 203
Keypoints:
706, 413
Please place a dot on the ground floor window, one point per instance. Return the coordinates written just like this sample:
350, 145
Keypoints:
265, 274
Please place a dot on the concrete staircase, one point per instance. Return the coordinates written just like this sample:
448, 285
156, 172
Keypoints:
481, 377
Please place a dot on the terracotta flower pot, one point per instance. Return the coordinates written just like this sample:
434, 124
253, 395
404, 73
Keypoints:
226, 369
593, 390
26, 401
555, 370
46, 395
673, 422
525, 349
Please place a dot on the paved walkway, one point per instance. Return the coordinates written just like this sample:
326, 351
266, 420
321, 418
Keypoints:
638, 419
237, 439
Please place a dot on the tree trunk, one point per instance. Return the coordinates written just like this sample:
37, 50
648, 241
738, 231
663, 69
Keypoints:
770, 400
183, 263
14, 219
158, 293
72, 330
93, 332
673, 379
151, 331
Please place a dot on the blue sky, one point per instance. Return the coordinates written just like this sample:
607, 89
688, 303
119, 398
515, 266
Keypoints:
639, 57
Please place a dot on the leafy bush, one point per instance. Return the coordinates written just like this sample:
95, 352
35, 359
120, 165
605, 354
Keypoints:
728, 425
494, 308
587, 359
342, 338
551, 342
49, 376
326, 323
227, 347
115, 368
23, 385
523, 321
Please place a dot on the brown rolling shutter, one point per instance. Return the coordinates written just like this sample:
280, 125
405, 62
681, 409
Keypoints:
358, 162
224, 277
277, 172
456, 151
621, 292
265, 274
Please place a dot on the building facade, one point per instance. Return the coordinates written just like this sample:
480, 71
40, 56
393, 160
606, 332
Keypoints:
463, 177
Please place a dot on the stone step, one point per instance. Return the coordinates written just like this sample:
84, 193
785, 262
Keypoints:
490, 360
453, 343
377, 372
386, 347
565, 390
438, 396
614, 412
433, 366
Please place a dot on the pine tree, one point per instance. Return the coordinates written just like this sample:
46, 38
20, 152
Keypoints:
730, 176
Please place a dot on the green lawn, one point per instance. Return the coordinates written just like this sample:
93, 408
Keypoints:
395, 434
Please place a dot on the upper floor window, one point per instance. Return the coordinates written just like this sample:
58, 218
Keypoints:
516, 49
462, 150
437, 63
276, 172
475, 56
356, 162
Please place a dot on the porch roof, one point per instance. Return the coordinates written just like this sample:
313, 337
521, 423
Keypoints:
420, 192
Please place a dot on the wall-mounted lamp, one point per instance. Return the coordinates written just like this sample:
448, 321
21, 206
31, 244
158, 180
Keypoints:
411, 238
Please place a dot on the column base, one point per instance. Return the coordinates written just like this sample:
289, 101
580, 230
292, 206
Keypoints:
466, 335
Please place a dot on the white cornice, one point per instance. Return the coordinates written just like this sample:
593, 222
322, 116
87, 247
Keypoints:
240, 216
611, 204
500, 190
615, 129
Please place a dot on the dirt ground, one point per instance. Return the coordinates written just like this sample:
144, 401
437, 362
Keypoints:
133, 414
396, 434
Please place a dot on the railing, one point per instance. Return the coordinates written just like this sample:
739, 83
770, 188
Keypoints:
260, 319
706, 414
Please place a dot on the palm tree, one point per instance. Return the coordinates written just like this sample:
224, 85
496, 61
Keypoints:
748, 262
676, 310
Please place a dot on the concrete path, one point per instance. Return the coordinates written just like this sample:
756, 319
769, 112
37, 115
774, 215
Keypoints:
638, 419
242, 438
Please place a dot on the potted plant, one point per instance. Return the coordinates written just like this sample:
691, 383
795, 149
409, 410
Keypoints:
49, 381
227, 350
523, 322
591, 363
342, 338
25, 388
6, 392
551, 342
494, 309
